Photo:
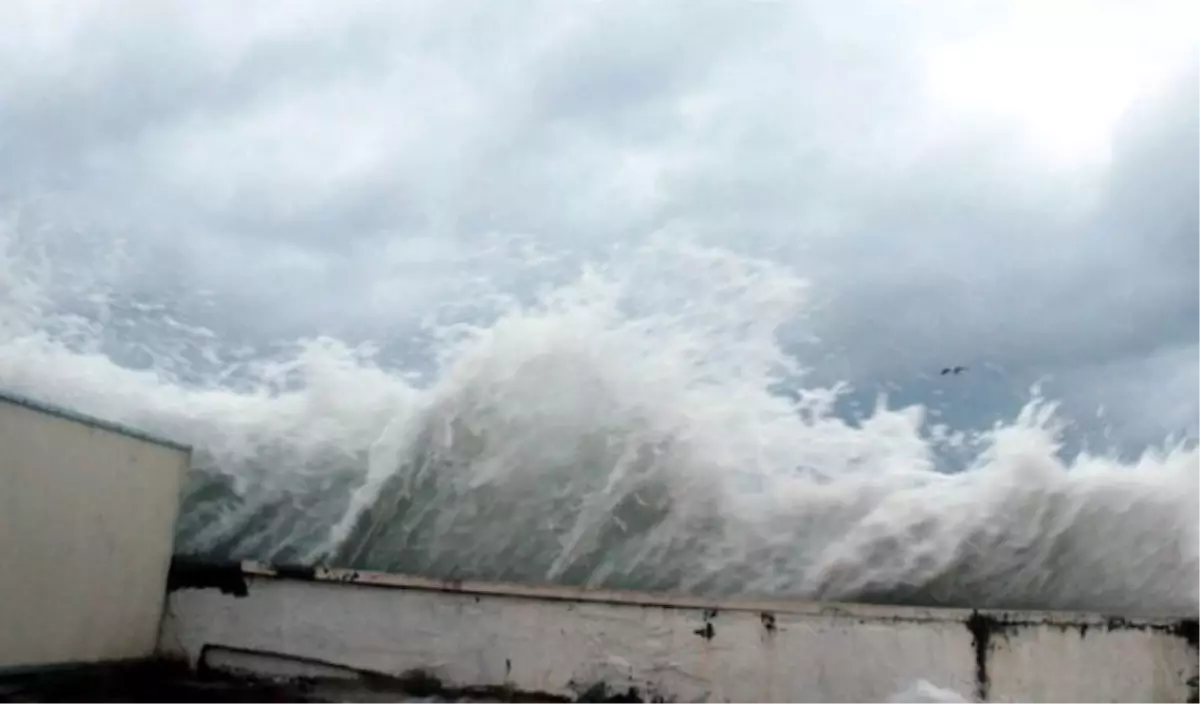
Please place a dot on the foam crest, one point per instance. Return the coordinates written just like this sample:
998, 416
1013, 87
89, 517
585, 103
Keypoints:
636, 425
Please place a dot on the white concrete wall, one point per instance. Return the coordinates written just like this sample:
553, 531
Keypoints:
559, 642
87, 520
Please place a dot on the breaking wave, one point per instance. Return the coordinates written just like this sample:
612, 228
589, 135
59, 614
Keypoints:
636, 425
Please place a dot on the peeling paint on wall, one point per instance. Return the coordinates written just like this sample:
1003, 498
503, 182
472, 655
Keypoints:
578, 645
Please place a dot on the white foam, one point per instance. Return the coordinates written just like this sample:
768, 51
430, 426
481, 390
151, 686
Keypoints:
621, 430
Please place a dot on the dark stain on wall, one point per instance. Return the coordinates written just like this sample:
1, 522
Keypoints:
985, 627
707, 631
300, 572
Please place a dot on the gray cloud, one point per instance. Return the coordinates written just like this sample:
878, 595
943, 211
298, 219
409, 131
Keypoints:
329, 167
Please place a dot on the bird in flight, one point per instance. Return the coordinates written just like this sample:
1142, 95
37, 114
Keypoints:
953, 370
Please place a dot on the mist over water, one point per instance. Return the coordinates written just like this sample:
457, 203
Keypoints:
627, 419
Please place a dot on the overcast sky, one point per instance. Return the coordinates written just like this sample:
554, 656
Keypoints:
1006, 185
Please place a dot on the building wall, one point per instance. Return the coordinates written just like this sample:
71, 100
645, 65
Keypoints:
87, 516
562, 642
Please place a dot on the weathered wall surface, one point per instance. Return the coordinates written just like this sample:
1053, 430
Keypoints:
87, 516
560, 642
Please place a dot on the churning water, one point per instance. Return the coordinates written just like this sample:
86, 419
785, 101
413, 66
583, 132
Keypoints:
635, 425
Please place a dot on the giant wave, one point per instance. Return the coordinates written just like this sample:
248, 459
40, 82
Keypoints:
624, 428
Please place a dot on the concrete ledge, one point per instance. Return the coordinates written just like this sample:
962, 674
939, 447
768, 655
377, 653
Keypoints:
87, 523
90, 421
564, 643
